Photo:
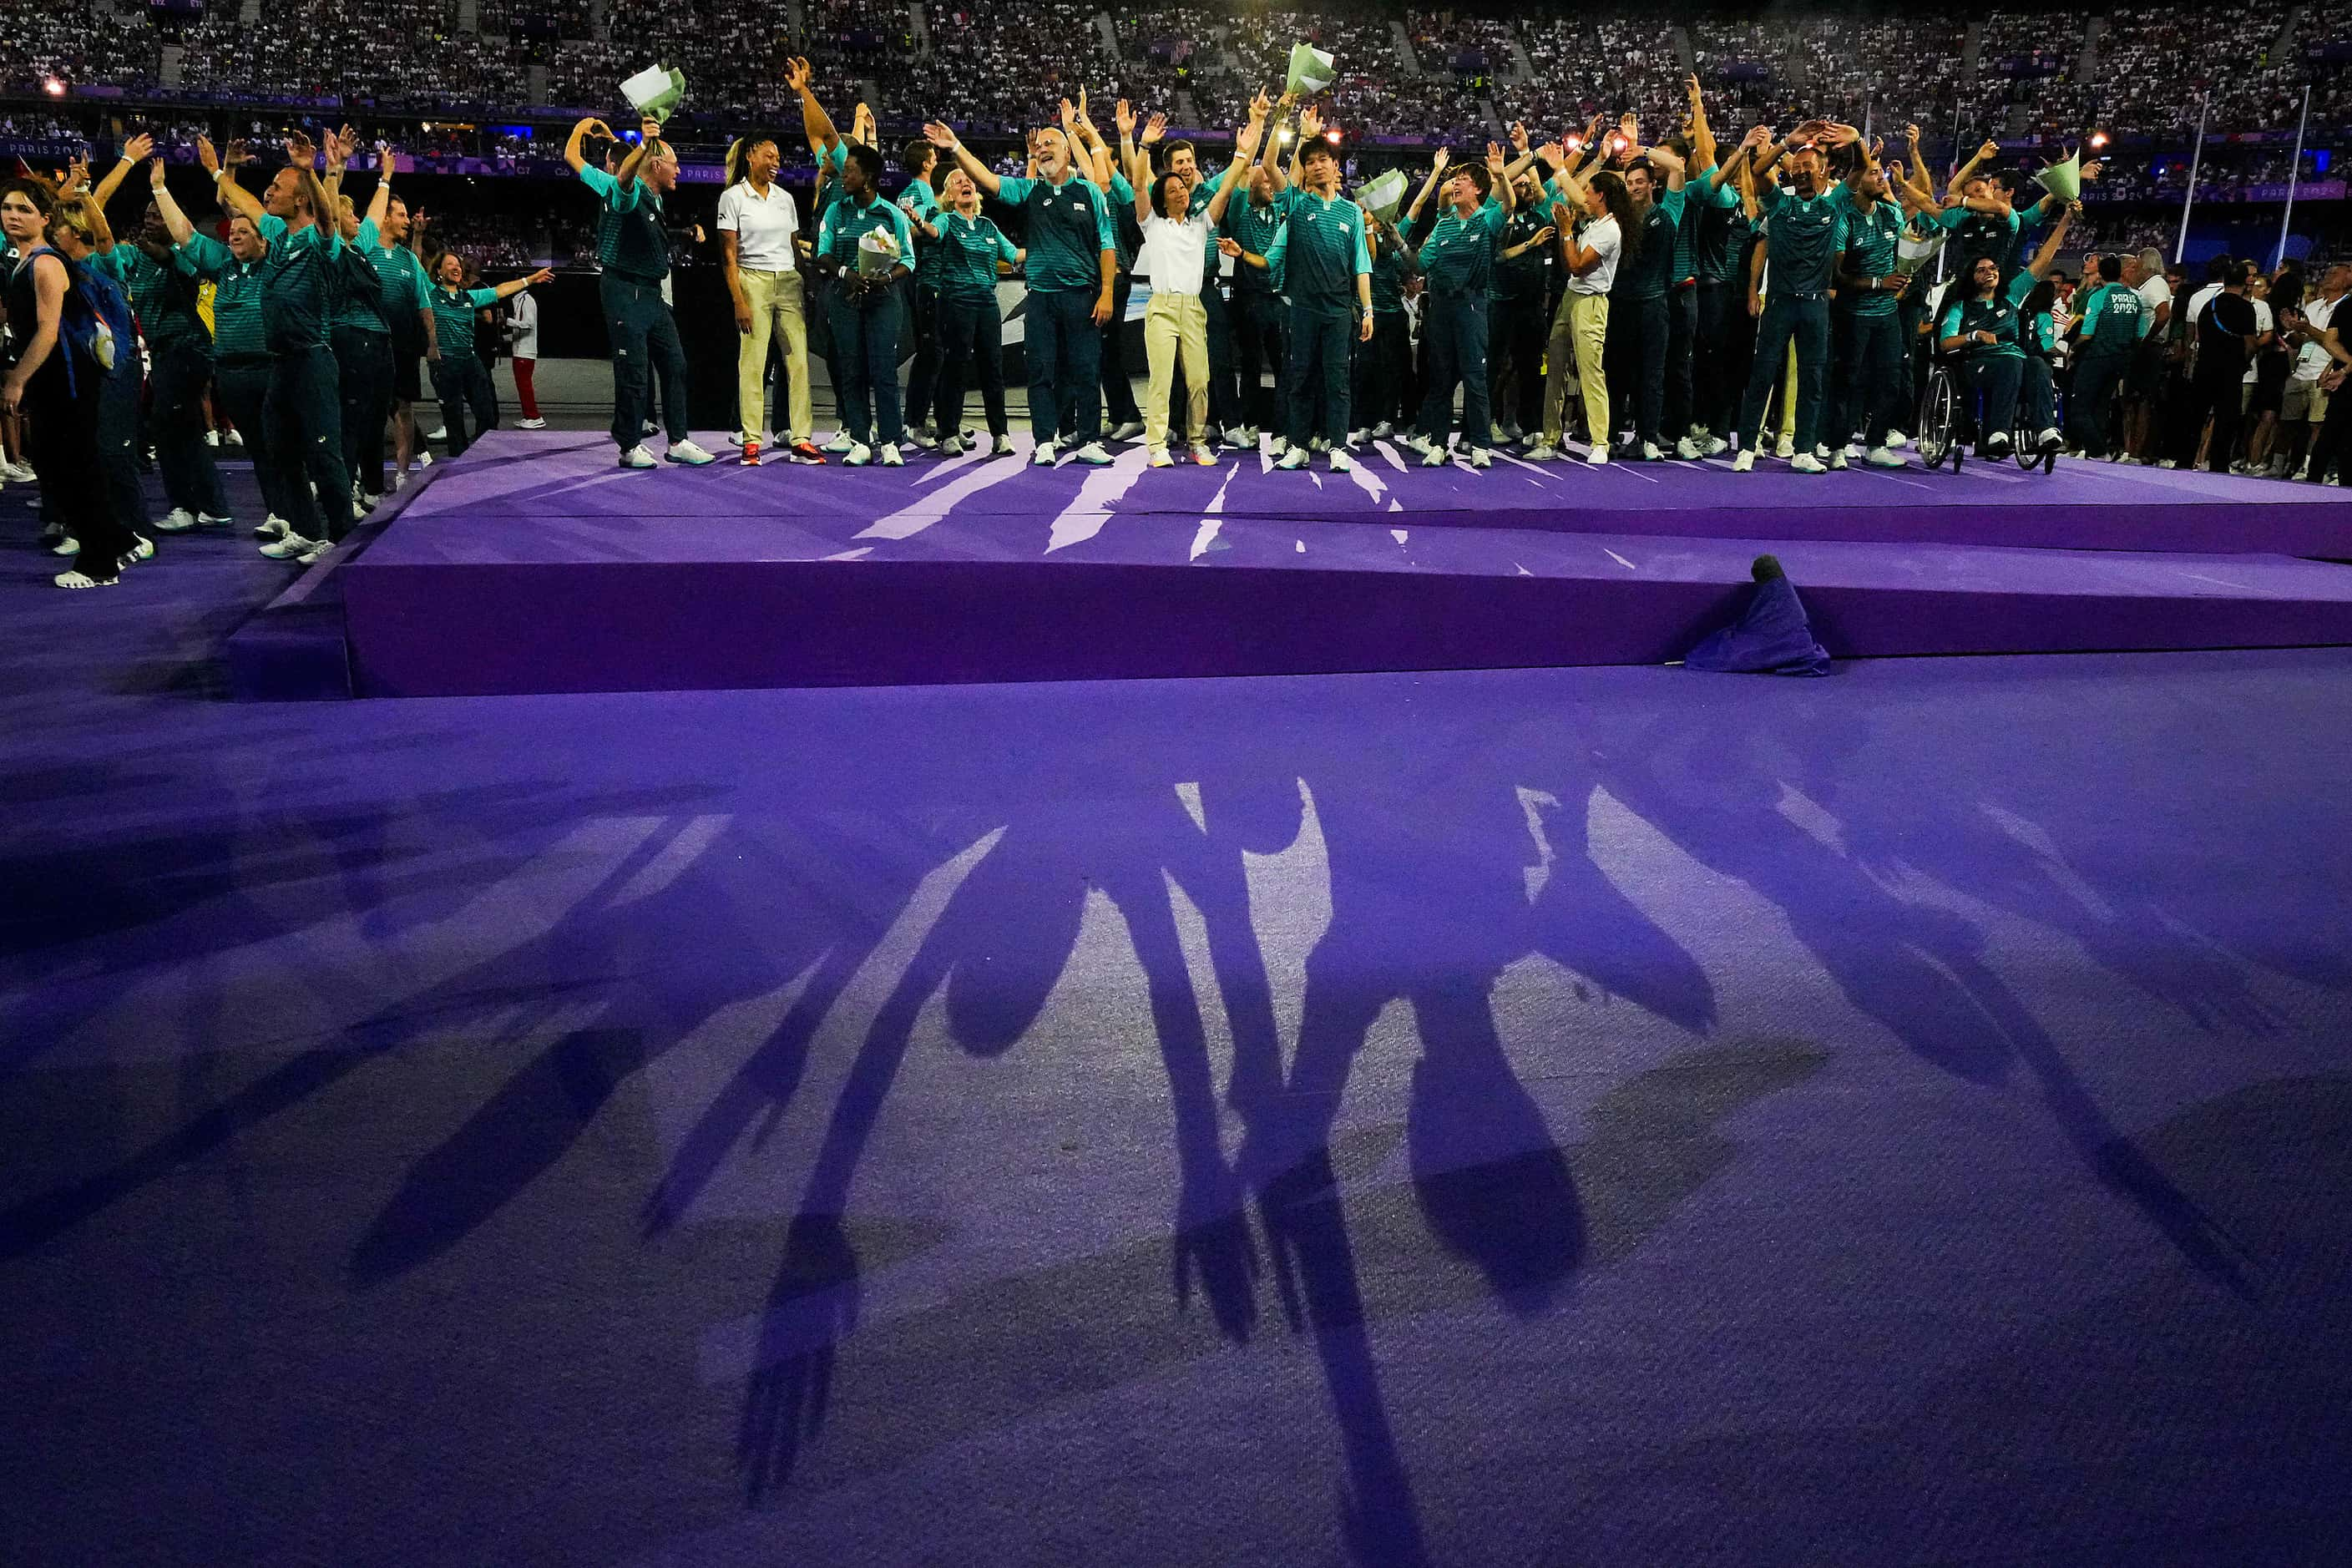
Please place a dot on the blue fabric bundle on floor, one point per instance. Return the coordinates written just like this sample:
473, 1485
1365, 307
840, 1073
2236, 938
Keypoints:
1770, 637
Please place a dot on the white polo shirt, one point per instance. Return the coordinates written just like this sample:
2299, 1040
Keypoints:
763, 227
1603, 236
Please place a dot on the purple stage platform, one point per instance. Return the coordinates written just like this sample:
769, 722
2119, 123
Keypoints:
536, 565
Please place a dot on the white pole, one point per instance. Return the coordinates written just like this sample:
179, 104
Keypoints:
2188, 199
2292, 171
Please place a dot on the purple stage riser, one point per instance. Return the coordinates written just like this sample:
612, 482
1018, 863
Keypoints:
615, 627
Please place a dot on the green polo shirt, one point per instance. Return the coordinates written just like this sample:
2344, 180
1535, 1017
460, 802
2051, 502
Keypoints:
1977, 235
163, 296
1458, 257
2121, 311
1388, 281
359, 291
1998, 315
970, 249
239, 330
1323, 252
629, 237
1869, 240
1721, 234
453, 316
1651, 271
1068, 229
402, 285
1520, 277
1697, 196
1255, 229
1803, 233
846, 222
920, 201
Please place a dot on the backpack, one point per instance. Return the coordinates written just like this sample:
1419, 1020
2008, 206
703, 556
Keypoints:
95, 327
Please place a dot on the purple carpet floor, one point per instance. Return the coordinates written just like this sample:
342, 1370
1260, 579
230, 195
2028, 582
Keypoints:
1518, 1117
536, 565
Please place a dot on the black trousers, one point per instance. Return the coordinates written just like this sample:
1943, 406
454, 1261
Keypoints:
175, 411
646, 347
305, 413
1384, 373
1317, 375
2090, 404
1871, 389
363, 370
61, 430
1722, 337
118, 443
923, 383
244, 385
463, 387
1118, 388
1454, 326
2215, 394
1515, 329
2331, 444
971, 353
1257, 346
1681, 340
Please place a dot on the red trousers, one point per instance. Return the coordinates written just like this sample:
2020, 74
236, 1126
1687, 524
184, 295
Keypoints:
523, 368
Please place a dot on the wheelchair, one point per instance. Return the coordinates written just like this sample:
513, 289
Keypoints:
1948, 416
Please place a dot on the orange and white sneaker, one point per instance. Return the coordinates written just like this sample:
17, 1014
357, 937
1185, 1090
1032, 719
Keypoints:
751, 453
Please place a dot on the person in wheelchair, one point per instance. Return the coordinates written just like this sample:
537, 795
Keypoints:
1980, 332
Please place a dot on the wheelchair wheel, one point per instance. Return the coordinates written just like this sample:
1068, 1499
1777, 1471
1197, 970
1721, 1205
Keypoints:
1938, 413
2025, 447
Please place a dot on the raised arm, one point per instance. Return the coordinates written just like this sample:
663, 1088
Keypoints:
232, 196
648, 138
1275, 114
1702, 135
945, 139
2040, 265
1245, 149
175, 222
135, 152
815, 124
379, 206
515, 286
300, 156
574, 147
1421, 200
1138, 163
1961, 176
1499, 187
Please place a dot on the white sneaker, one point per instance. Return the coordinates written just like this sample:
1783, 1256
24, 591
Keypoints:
424, 460
923, 440
399, 478
271, 527
1292, 459
1317, 447
1885, 457
1997, 444
82, 580
443, 434
1716, 446
1543, 452
212, 438
1092, 455
2167, 463
1204, 455
840, 443
1239, 437
141, 549
1341, 463
1433, 455
316, 553
292, 547
1481, 457
686, 452
1686, 449
858, 455
1745, 461
234, 438
997, 446
1043, 458
1838, 460
891, 456
1896, 440
179, 520
1383, 430
2050, 440
1279, 445
366, 504
1129, 431
206, 520
66, 545
637, 456
1851, 449
1650, 453
1161, 459
950, 447
647, 428
1785, 448
530, 425
1806, 463
1596, 458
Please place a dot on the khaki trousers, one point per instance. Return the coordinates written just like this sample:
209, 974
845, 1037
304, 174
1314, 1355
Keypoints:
775, 301
1173, 322
1579, 331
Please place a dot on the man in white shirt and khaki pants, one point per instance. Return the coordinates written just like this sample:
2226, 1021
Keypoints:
758, 224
